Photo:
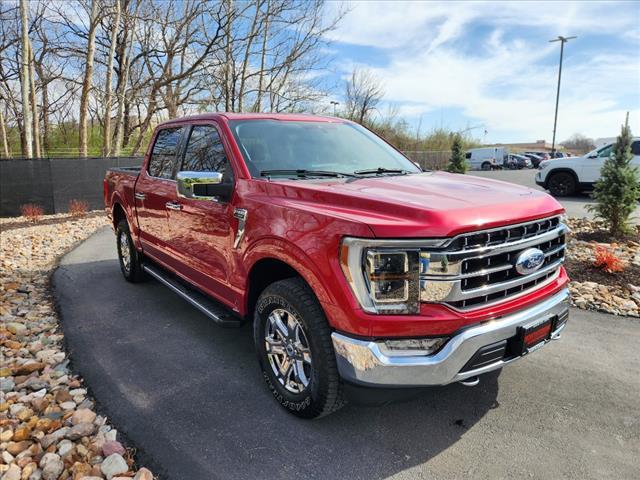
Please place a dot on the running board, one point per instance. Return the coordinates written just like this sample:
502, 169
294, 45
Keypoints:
212, 309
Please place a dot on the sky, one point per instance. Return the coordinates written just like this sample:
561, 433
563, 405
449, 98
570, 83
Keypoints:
489, 66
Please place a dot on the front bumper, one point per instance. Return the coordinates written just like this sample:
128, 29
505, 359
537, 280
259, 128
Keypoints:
539, 179
362, 362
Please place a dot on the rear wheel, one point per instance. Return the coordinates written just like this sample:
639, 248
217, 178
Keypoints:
486, 166
562, 184
295, 351
130, 259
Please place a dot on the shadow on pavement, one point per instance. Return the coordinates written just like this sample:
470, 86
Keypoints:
190, 396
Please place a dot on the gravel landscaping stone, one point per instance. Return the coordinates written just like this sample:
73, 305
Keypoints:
49, 429
593, 289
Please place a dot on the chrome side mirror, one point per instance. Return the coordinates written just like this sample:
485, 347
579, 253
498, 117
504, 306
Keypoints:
202, 186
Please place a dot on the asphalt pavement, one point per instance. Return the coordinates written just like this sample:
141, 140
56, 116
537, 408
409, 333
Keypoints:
189, 395
575, 205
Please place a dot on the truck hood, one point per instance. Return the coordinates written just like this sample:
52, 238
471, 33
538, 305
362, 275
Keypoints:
431, 204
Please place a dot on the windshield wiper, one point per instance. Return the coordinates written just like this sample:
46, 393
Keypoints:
381, 170
305, 173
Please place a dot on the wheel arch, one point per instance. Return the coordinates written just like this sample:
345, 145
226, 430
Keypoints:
561, 170
272, 260
118, 214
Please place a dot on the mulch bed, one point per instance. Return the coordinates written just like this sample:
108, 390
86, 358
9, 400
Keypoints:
584, 271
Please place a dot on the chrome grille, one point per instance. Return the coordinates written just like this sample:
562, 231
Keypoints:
478, 268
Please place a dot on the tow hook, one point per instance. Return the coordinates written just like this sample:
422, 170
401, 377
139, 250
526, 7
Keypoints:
471, 381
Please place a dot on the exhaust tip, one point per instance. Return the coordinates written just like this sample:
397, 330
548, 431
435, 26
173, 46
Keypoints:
471, 381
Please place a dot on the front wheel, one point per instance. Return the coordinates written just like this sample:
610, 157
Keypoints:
486, 166
562, 184
295, 351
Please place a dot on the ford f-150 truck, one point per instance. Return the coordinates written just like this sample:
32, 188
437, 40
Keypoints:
353, 264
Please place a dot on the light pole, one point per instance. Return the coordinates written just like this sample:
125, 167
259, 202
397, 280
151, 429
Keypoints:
334, 103
562, 41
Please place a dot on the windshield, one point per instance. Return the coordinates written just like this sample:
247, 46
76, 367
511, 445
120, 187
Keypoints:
269, 145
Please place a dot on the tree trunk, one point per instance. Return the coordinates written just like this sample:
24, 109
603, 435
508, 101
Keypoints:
228, 57
27, 151
88, 78
151, 108
106, 150
124, 79
44, 109
3, 134
247, 56
34, 105
258, 104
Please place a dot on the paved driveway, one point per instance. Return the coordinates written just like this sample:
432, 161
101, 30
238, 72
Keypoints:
189, 395
575, 206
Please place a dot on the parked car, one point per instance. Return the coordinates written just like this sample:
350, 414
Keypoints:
515, 161
486, 158
542, 155
571, 175
535, 159
351, 264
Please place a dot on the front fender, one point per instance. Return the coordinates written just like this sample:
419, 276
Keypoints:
295, 257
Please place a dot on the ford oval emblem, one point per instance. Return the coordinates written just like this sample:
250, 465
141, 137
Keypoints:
529, 261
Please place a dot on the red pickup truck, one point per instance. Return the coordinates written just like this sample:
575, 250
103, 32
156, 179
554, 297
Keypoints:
352, 263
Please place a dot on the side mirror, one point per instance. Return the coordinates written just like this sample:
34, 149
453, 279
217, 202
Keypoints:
202, 186
593, 155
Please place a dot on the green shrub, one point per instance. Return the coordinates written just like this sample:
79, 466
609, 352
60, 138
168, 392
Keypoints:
618, 189
458, 162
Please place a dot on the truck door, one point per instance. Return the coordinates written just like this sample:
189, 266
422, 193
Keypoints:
156, 192
201, 231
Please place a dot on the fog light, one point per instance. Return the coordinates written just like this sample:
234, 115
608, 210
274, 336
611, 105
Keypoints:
411, 347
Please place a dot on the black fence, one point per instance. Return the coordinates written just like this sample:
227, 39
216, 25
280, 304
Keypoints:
52, 183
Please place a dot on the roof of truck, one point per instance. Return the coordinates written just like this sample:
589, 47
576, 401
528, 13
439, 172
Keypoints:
292, 117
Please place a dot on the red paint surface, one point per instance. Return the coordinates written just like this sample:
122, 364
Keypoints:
302, 224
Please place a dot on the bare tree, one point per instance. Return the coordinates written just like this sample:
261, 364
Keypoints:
123, 53
363, 93
108, 87
579, 142
3, 134
24, 81
88, 78
34, 104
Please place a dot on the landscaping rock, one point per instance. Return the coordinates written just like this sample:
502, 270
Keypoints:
113, 465
47, 422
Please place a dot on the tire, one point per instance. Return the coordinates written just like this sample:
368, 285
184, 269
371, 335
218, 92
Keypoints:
562, 184
289, 318
129, 258
485, 166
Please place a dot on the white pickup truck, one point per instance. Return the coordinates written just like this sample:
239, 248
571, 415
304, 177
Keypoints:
570, 175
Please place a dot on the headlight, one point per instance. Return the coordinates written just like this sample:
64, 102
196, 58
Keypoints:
384, 275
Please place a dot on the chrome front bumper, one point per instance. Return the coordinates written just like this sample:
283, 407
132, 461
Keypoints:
362, 361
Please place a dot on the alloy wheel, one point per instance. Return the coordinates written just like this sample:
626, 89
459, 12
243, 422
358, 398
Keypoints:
288, 350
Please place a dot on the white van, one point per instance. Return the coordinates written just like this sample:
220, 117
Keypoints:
486, 158
570, 175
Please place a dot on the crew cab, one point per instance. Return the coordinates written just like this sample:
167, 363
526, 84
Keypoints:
352, 264
570, 175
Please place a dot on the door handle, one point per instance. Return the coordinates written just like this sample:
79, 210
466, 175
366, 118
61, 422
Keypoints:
173, 206
140, 196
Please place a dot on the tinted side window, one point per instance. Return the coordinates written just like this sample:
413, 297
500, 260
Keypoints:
205, 152
635, 147
163, 155
605, 152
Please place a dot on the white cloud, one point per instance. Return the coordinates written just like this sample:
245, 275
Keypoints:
504, 79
